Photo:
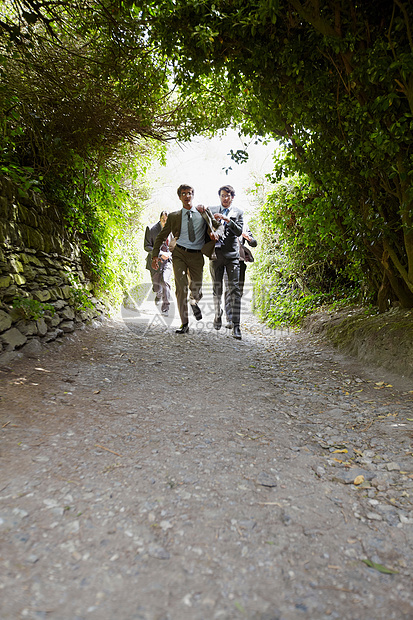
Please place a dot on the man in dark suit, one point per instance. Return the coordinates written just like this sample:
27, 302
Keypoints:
227, 258
192, 238
245, 256
160, 277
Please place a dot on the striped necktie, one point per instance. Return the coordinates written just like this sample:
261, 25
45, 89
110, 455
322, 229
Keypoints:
225, 212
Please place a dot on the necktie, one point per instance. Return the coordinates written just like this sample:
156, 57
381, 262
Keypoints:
191, 231
225, 212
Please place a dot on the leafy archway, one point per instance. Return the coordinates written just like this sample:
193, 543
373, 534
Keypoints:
332, 79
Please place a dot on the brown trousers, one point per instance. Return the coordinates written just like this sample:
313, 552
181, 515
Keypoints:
188, 271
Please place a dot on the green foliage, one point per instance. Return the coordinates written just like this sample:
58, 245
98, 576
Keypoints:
32, 309
80, 299
22, 176
284, 307
302, 262
79, 295
299, 214
77, 81
84, 95
103, 207
284, 303
333, 81
10, 132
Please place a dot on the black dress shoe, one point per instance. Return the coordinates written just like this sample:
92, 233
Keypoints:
197, 311
218, 321
236, 332
184, 329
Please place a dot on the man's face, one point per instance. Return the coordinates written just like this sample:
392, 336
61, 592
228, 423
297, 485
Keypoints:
226, 199
186, 198
163, 220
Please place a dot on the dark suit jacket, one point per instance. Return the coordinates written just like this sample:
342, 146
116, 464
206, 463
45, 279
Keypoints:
173, 225
149, 242
230, 245
244, 252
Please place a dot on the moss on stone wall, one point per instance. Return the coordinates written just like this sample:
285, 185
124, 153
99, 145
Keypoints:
40, 263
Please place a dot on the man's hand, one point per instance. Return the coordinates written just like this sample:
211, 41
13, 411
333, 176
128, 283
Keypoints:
214, 236
246, 236
155, 263
200, 209
219, 216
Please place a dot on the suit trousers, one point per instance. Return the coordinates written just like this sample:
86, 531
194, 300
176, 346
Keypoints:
161, 285
188, 271
228, 309
217, 268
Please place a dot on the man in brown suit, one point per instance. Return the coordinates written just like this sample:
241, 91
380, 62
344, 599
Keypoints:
192, 235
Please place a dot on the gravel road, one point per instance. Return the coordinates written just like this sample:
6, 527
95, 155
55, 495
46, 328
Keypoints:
152, 476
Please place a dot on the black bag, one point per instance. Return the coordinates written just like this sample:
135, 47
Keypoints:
245, 254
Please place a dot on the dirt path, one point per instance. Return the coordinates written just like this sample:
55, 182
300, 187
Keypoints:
151, 476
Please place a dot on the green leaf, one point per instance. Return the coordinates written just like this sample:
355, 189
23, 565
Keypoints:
380, 567
239, 607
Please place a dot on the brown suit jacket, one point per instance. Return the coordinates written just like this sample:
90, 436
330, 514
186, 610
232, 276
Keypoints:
173, 225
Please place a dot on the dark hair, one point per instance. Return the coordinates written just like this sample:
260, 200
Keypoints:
183, 187
163, 213
227, 188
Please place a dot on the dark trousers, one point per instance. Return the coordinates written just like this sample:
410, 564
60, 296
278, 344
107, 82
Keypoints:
227, 296
161, 284
231, 267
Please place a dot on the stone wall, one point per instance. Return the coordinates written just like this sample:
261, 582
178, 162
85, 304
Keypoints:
40, 271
